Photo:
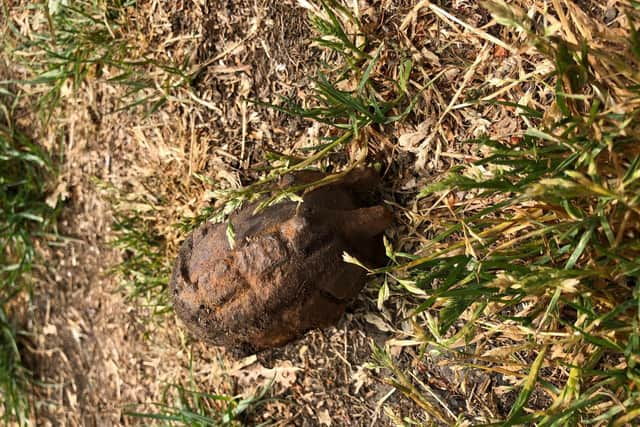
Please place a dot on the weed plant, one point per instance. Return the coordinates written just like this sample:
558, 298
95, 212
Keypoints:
24, 172
552, 258
144, 273
194, 408
82, 41
349, 97
92, 39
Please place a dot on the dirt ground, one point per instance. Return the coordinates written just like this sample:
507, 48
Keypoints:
98, 355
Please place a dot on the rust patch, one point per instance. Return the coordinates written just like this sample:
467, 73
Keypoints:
285, 275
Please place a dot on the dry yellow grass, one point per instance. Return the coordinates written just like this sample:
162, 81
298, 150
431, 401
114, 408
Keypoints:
97, 353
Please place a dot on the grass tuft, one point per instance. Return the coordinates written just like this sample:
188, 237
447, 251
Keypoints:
190, 407
92, 40
144, 273
24, 214
355, 98
540, 244
195, 408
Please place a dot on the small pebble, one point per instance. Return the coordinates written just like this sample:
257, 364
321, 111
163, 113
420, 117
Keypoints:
610, 14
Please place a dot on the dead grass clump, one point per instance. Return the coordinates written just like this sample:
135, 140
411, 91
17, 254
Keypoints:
533, 270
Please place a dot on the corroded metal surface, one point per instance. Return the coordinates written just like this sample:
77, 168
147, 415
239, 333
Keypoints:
285, 274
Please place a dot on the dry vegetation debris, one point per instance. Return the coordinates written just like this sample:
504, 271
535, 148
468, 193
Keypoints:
197, 65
